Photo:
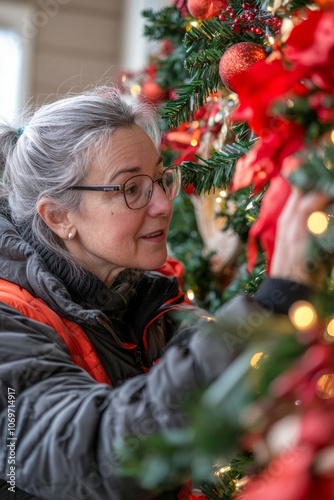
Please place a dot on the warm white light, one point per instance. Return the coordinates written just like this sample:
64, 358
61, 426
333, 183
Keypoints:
325, 386
332, 136
317, 223
255, 360
222, 471
190, 295
135, 90
223, 194
302, 315
330, 328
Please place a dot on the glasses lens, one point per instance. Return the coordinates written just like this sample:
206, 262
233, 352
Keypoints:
138, 191
172, 180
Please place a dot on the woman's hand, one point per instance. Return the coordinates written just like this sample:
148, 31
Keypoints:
290, 259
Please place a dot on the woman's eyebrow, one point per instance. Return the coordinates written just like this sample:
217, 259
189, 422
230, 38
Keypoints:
160, 160
131, 170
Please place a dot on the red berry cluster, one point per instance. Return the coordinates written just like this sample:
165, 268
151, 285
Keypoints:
252, 19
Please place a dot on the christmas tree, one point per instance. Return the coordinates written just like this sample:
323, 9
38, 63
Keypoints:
245, 93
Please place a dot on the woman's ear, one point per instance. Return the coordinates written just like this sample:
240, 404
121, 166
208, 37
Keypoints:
55, 217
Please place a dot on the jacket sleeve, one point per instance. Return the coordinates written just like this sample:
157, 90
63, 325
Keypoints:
66, 424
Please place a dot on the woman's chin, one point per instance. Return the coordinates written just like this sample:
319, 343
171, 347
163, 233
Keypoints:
155, 263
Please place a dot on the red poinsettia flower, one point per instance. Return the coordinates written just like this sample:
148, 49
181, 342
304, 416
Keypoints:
264, 161
287, 477
311, 46
265, 83
264, 228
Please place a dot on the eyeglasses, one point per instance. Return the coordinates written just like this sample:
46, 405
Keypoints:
138, 190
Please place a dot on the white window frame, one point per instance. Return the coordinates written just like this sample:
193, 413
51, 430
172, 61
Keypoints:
135, 47
13, 17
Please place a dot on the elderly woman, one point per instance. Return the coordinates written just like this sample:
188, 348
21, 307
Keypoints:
86, 207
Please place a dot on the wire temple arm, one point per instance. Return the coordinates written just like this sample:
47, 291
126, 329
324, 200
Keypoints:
96, 188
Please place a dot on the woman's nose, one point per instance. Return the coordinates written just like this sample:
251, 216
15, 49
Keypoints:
160, 202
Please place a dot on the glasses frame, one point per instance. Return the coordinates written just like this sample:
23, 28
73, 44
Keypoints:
121, 187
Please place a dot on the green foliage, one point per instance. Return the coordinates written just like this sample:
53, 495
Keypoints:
300, 111
191, 96
205, 45
171, 70
217, 171
245, 281
165, 24
293, 5
224, 484
317, 170
217, 415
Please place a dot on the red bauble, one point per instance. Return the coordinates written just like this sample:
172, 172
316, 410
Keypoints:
198, 8
204, 9
152, 92
237, 60
216, 7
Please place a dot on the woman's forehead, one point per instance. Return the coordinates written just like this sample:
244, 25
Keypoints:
128, 151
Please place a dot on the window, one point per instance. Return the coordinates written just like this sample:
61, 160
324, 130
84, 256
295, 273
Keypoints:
15, 59
11, 73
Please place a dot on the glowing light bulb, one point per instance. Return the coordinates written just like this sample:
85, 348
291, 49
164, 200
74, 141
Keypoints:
195, 124
194, 142
332, 136
330, 328
223, 194
302, 315
325, 386
254, 362
123, 78
218, 199
222, 471
135, 90
190, 295
317, 223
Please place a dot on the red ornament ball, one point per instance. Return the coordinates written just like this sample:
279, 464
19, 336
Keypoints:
237, 60
152, 92
204, 9
198, 8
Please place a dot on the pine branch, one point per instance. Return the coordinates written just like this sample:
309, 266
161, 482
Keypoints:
190, 98
171, 71
217, 171
225, 484
164, 24
214, 33
296, 5
204, 48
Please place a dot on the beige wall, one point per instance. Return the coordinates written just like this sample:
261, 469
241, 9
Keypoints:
74, 43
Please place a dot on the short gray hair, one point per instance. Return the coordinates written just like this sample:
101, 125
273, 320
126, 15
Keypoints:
56, 147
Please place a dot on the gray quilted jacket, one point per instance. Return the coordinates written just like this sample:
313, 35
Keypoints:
66, 423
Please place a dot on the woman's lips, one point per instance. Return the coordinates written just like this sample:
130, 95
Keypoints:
159, 235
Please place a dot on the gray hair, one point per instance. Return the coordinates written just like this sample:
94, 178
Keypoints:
56, 147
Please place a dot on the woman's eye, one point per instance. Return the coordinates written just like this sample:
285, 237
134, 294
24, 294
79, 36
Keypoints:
131, 189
